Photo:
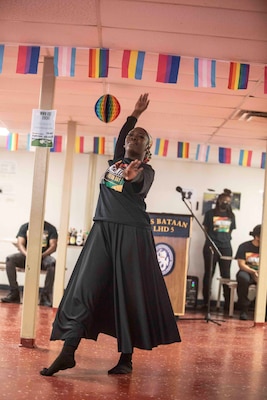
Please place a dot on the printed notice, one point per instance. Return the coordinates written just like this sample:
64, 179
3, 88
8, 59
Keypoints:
43, 128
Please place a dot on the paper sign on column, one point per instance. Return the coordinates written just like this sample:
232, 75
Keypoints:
43, 128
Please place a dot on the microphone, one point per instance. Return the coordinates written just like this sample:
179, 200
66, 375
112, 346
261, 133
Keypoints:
180, 190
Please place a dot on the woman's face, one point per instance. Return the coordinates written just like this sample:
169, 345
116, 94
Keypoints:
225, 202
136, 143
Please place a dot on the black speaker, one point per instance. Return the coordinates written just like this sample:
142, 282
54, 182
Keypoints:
191, 291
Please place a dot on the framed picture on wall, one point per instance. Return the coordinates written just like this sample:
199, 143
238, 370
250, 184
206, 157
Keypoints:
209, 201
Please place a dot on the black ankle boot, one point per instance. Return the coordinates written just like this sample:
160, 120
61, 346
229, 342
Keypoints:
12, 297
124, 365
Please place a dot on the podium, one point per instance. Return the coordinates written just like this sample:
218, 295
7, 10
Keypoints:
172, 233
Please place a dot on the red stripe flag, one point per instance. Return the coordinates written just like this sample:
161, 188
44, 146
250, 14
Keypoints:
79, 144
57, 147
28, 57
224, 155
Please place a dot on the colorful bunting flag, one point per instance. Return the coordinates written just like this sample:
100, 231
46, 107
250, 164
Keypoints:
263, 160
183, 150
29, 147
2, 49
57, 147
204, 72
245, 157
224, 155
98, 63
202, 153
79, 144
99, 145
64, 61
265, 80
161, 148
28, 57
238, 76
12, 141
168, 67
132, 64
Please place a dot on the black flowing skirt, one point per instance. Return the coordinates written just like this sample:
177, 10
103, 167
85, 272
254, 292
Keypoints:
117, 288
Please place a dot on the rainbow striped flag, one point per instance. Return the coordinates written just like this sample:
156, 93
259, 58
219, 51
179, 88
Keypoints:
2, 49
168, 67
238, 76
28, 57
245, 157
132, 64
202, 153
265, 80
99, 145
161, 148
12, 141
204, 72
79, 144
64, 61
98, 63
183, 150
224, 155
263, 160
57, 146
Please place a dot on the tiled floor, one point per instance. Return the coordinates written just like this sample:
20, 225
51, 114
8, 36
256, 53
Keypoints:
212, 363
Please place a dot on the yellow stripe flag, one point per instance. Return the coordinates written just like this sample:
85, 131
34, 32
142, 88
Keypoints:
183, 150
79, 144
99, 145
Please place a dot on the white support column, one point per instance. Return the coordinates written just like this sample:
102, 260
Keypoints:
260, 306
64, 218
36, 222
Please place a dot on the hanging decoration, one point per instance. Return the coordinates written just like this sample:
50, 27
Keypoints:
132, 64
225, 155
107, 108
99, 145
28, 58
64, 61
202, 153
161, 147
238, 76
2, 49
204, 72
12, 141
98, 63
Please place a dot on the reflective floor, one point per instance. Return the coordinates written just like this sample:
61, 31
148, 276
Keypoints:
212, 362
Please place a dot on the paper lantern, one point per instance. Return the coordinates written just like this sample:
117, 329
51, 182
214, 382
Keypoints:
107, 108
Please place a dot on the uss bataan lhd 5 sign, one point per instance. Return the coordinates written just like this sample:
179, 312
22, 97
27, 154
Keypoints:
172, 234
173, 225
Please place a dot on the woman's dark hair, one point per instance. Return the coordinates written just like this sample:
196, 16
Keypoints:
221, 197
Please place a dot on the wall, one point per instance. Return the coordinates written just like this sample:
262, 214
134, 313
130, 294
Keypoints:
16, 171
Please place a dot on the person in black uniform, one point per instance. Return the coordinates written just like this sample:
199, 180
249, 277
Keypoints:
219, 224
248, 258
117, 287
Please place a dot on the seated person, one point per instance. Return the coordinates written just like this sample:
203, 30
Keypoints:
248, 261
49, 246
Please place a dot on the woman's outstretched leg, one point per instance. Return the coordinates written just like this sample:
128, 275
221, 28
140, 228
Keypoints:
65, 359
124, 365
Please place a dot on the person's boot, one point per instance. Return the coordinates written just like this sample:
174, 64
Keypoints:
124, 365
12, 297
45, 300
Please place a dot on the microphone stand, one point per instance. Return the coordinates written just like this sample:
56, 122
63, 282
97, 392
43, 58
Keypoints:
212, 248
